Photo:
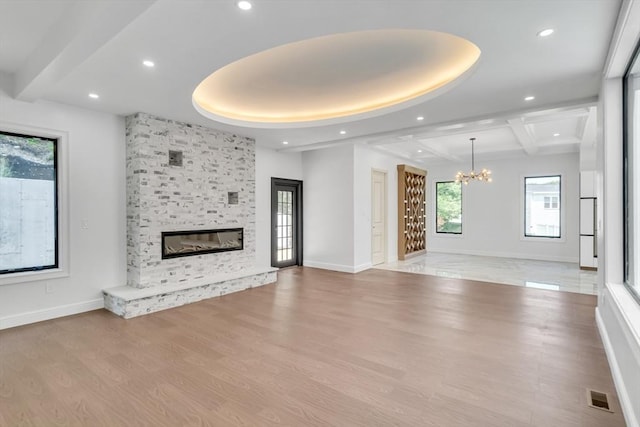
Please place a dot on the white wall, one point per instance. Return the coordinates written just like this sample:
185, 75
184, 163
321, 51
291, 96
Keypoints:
367, 159
492, 214
271, 164
617, 314
96, 154
329, 208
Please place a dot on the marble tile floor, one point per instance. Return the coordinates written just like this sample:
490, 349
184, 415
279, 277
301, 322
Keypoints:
558, 276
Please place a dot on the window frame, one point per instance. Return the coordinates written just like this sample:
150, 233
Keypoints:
435, 216
561, 212
61, 205
627, 125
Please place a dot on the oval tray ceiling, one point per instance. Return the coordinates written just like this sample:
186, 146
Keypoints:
335, 78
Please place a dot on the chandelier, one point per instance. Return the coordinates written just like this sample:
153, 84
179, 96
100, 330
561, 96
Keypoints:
484, 175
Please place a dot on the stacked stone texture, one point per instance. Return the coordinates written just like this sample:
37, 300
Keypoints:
193, 196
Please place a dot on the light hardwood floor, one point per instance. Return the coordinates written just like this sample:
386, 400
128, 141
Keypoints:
319, 348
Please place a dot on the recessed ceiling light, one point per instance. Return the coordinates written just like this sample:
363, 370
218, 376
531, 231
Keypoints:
285, 142
529, 98
546, 32
342, 132
244, 5
420, 118
94, 95
148, 63
419, 151
556, 134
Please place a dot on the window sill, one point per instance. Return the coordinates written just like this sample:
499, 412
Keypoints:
33, 276
543, 239
448, 235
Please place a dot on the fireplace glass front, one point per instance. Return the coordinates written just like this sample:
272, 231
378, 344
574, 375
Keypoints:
185, 243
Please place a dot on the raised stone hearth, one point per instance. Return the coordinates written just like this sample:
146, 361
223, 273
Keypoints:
182, 177
129, 302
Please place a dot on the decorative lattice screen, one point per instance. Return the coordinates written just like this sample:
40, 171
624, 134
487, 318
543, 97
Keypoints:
411, 211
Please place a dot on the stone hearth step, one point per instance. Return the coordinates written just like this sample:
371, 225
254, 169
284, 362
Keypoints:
128, 302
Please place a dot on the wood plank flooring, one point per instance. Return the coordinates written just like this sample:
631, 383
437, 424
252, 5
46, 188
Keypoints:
319, 348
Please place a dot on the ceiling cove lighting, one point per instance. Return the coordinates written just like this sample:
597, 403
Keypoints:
94, 95
263, 90
546, 32
244, 5
484, 175
149, 64
529, 98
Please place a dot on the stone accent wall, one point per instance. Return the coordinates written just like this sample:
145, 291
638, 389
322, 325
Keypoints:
193, 196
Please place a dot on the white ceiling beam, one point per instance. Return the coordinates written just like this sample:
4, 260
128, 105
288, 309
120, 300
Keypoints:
548, 116
524, 137
474, 124
85, 27
587, 133
440, 152
488, 122
391, 153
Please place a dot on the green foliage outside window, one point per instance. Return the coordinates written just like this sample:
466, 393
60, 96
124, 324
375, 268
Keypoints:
449, 207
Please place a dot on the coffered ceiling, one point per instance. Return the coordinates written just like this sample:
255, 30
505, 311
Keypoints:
63, 50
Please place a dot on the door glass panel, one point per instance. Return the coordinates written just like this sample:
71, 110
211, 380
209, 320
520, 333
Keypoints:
285, 226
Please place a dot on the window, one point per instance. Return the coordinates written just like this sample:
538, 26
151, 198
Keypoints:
550, 202
28, 203
542, 206
631, 177
449, 207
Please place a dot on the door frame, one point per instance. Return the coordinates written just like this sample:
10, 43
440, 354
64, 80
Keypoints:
298, 228
386, 212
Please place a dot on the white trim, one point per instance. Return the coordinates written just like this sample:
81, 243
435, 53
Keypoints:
385, 205
563, 210
362, 267
618, 378
432, 218
50, 313
624, 39
627, 312
338, 267
63, 205
574, 260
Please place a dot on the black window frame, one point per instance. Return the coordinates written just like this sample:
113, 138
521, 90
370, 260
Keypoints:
626, 126
436, 207
524, 218
56, 201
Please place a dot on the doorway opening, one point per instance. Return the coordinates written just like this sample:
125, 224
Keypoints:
286, 222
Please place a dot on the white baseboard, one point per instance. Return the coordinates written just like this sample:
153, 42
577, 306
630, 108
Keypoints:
505, 255
618, 379
362, 267
337, 267
50, 313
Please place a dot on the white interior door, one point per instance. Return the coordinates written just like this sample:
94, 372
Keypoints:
378, 217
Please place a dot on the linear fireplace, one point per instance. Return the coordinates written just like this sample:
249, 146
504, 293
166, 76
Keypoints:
197, 242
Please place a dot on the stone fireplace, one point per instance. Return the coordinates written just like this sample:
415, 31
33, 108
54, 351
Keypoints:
186, 177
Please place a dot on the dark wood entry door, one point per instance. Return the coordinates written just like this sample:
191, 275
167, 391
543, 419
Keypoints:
286, 222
